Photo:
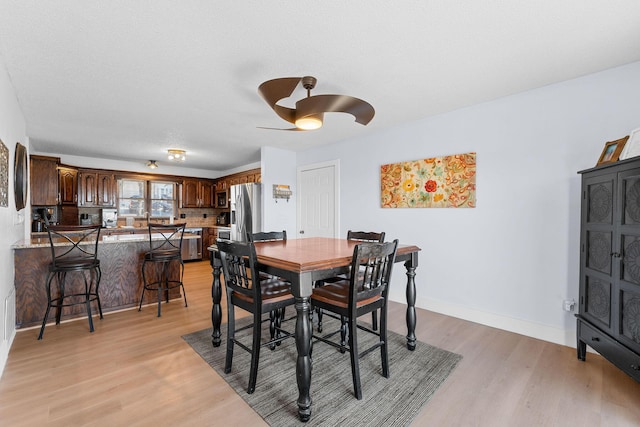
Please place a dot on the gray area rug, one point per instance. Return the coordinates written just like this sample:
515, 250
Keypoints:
415, 376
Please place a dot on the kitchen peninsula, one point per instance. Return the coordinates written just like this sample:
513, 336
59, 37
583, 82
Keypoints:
121, 257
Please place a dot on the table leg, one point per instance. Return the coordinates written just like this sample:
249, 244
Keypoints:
411, 265
216, 309
303, 363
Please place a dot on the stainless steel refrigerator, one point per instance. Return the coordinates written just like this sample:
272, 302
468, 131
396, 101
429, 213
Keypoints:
246, 210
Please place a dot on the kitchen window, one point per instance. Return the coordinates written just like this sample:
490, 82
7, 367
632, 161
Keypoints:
136, 196
131, 197
163, 199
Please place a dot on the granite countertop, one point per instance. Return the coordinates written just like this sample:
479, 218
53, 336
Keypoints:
41, 242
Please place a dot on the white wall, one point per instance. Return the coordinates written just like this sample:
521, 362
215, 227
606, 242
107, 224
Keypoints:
278, 167
511, 261
12, 223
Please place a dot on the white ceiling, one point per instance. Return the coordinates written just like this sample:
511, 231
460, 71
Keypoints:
128, 79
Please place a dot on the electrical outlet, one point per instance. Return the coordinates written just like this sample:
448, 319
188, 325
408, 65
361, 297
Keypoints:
568, 304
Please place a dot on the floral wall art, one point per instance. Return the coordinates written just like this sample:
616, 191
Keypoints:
437, 182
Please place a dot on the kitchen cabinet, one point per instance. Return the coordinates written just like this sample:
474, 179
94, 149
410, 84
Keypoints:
609, 300
197, 193
96, 189
44, 180
67, 186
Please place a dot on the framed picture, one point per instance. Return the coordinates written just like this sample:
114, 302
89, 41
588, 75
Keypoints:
632, 147
21, 176
4, 175
612, 150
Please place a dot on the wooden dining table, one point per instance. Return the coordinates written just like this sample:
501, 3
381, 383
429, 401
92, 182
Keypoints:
303, 262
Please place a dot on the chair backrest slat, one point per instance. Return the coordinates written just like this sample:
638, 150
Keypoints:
371, 268
239, 267
267, 236
365, 236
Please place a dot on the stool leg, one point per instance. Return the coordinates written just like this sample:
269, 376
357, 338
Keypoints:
87, 296
98, 277
160, 282
184, 293
144, 284
61, 278
46, 314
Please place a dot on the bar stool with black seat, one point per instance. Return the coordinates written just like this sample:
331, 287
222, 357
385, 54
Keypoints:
165, 242
358, 236
74, 252
240, 268
366, 290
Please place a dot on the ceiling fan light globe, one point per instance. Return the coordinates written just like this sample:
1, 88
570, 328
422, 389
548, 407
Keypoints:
309, 123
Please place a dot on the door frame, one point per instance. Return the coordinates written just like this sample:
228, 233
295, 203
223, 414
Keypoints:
336, 192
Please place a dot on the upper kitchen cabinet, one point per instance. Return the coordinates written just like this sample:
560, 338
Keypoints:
44, 180
253, 175
67, 185
96, 189
197, 193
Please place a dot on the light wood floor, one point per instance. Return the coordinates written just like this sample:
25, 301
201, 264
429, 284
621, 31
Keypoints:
135, 370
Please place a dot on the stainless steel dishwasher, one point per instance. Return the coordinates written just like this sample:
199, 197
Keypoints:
192, 248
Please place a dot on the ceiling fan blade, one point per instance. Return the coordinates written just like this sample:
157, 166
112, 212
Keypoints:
361, 110
263, 127
274, 90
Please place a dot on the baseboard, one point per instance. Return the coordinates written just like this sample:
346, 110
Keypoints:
518, 326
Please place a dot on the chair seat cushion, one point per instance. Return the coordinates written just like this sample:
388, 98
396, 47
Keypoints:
162, 254
338, 294
272, 289
76, 263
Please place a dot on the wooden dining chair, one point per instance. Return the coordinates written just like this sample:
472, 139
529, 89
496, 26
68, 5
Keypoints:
276, 316
366, 290
240, 268
359, 236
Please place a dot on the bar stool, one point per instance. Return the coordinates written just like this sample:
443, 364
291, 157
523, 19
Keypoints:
165, 242
74, 249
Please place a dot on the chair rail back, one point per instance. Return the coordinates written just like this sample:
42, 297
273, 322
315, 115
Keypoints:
79, 242
366, 236
239, 267
373, 263
172, 235
267, 236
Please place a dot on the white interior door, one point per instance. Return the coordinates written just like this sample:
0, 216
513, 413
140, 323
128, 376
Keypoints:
318, 200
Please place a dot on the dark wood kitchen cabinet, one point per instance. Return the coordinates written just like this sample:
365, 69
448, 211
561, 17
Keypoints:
96, 189
43, 173
67, 186
197, 193
609, 301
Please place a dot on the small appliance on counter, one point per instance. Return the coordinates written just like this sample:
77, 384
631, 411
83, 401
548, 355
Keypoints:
43, 216
109, 218
85, 219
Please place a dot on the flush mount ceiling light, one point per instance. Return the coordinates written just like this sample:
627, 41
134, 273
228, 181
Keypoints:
309, 111
177, 155
151, 164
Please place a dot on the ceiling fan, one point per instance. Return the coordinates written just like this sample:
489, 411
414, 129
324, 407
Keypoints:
309, 111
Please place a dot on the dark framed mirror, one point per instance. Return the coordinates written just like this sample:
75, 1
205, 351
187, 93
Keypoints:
20, 177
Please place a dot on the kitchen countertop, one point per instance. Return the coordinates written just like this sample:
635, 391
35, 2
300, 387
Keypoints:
39, 242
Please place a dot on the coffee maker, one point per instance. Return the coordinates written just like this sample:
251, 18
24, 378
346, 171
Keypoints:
42, 217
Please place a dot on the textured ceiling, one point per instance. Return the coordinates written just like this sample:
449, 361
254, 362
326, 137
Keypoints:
129, 79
